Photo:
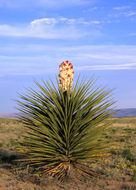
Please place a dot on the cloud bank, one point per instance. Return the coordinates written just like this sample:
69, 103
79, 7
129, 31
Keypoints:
42, 59
51, 28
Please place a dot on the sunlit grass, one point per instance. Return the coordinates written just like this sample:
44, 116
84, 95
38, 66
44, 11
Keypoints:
121, 163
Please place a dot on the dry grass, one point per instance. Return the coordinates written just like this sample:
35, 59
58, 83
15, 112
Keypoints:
118, 170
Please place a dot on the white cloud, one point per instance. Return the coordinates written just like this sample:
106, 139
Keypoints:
95, 22
122, 7
45, 4
44, 59
7, 30
41, 31
132, 13
51, 28
48, 21
126, 11
63, 20
91, 9
108, 67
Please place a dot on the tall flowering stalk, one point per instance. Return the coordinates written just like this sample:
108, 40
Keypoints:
66, 76
62, 131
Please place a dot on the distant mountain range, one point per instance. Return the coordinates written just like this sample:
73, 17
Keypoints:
128, 112
9, 115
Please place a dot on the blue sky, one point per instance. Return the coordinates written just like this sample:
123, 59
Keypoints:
98, 37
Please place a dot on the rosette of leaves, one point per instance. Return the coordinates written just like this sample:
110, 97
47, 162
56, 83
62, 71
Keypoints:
63, 129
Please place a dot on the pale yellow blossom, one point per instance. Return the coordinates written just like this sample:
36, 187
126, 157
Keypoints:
66, 76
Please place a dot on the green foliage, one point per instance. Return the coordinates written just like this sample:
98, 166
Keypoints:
133, 178
122, 140
128, 154
64, 127
1, 144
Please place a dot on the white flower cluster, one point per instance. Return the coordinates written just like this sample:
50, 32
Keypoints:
66, 76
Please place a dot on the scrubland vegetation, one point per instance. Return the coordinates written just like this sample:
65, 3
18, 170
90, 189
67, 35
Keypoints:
117, 170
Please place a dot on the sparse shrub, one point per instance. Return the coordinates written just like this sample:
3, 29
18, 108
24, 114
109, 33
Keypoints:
1, 144
122, 140
134, 172
133, 178
113, 152
113, 131
108, 137
63, 125
126, 153
13, 142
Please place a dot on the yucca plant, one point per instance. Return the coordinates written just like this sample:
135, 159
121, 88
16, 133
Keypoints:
63, 125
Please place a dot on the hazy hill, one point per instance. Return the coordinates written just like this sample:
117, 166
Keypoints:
128, 112
9, 115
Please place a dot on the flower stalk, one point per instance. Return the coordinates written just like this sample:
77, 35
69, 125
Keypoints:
66, 76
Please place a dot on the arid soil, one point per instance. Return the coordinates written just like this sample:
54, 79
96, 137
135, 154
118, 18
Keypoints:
25, 181
118, 172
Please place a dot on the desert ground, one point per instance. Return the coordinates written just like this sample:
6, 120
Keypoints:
117, 171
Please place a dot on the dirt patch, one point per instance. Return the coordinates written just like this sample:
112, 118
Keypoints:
12, 178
